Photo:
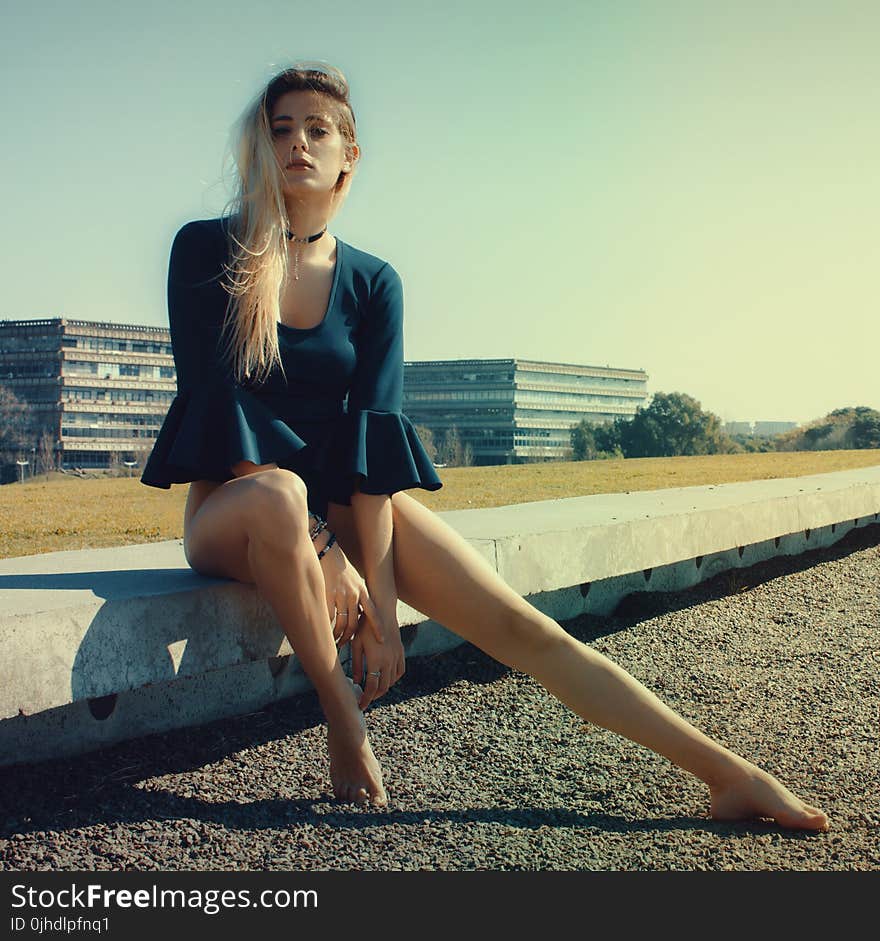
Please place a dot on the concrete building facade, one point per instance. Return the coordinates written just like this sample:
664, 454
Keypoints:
758, 428
99, 389
773, 427
512, 411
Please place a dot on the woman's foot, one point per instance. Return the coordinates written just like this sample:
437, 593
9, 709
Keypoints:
751, 792
354, 772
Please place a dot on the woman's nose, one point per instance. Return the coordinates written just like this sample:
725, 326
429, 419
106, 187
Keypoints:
301, 138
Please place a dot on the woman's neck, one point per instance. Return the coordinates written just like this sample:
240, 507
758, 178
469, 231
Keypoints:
305, 221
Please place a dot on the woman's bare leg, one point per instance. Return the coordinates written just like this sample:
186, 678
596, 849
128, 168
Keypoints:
255, 529
440, 574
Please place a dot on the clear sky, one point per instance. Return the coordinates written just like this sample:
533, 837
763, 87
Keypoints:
683, 186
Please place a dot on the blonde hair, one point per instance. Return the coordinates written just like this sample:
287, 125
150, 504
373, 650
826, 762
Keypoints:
258, 217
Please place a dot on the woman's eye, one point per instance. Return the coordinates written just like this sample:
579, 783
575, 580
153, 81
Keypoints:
321, 129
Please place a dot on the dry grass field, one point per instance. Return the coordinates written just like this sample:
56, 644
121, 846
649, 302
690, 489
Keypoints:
66, 512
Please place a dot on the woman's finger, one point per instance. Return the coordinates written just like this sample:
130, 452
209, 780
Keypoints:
357, 663
386, 680
333, 614
351, 622
371, 686
371, 613
340, 629
342, 639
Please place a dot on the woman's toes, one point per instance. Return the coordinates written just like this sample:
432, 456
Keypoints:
818, 818
808, 817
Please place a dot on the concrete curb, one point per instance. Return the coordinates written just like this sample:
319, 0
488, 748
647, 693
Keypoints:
105, 645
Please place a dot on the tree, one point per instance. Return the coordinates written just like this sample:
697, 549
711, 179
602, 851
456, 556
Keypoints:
607, 438
846, 428
426, 436
46, 459
673, 424
14, 427
583, 440
453, 451
592, 441
865, 429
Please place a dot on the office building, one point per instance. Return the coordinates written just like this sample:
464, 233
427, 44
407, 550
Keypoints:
100, 390
510, 411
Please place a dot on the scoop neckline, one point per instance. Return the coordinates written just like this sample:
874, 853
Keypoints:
337, 266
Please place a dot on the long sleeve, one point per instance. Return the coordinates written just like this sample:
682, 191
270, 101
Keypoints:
379, 442
212, 423
192, 318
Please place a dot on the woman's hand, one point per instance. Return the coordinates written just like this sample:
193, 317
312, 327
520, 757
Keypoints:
345, 591
370, 657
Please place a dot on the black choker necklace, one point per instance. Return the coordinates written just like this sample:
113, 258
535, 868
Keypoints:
311, 238
297, 242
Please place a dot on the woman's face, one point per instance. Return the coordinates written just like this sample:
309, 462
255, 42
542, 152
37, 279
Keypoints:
303, 131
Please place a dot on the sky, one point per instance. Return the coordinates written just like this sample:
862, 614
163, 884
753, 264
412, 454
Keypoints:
689, 188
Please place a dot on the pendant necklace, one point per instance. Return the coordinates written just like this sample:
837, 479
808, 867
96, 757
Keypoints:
297, 242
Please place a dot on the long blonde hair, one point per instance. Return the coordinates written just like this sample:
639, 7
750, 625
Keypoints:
258, 217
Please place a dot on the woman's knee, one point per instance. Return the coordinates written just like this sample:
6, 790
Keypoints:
270, 505
278, 506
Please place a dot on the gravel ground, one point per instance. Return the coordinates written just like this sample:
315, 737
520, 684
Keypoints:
486, 771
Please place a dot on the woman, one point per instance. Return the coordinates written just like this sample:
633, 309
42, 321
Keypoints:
259, 431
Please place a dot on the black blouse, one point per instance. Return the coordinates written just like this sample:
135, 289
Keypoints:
299, 422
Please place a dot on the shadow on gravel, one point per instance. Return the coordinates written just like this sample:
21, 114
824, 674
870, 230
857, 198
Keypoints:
120, 803
648, 604
94, 788
42, 795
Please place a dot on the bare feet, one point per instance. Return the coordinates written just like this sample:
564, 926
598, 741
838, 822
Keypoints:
752, 792
354, 771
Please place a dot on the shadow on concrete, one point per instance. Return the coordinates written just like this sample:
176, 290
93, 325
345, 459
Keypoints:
112, 585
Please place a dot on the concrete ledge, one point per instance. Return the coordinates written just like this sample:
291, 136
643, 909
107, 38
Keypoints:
103, 645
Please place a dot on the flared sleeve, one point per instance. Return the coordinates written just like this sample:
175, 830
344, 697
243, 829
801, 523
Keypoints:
377, 443
212, 422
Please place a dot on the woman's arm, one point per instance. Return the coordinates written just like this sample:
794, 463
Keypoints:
373, 522
375, 397
382, 454
378, 666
